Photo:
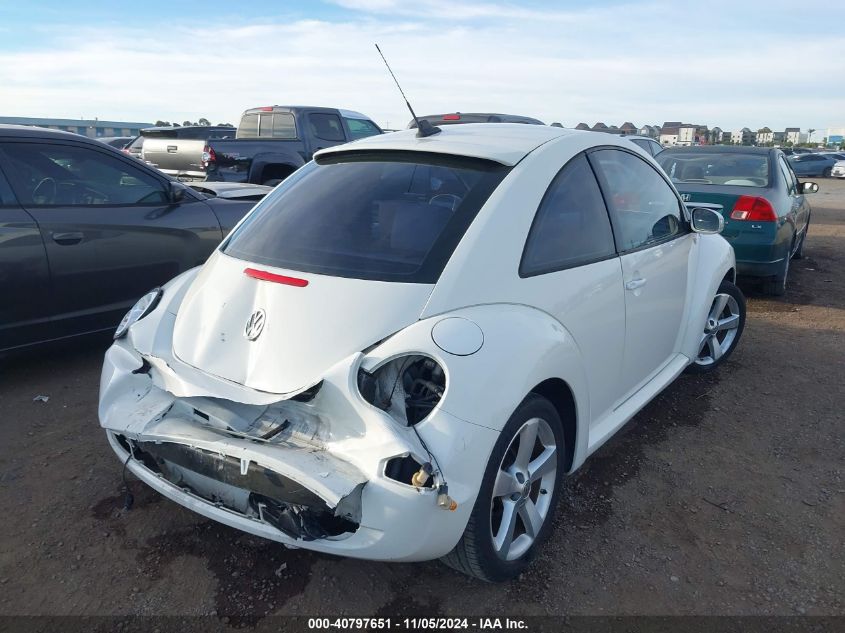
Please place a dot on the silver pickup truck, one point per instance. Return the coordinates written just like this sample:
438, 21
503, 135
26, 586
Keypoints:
178, 151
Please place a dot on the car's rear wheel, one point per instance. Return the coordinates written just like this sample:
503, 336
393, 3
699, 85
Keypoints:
725, 323
826, 173
515, 507
777, 286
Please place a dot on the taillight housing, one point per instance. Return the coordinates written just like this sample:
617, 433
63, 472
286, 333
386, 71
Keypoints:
754, 209
208, 156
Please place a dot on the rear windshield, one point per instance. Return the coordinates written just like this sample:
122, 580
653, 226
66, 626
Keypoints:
716, 168
394, 216
267, 125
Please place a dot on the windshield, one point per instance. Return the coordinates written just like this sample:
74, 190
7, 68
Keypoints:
389, 216
716, 168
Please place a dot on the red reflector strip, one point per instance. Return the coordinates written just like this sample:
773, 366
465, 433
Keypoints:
263, 275
451, 117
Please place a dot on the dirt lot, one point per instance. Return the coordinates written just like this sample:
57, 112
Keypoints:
724, 496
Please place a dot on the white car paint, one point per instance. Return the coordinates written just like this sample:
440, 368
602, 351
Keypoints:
496, 335
838, 170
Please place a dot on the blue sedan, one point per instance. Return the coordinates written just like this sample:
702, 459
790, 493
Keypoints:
812, 164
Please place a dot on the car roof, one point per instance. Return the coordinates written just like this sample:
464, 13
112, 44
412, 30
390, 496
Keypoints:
30, 131
505, 143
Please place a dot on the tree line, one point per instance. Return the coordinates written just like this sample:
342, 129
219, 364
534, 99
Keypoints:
202, 121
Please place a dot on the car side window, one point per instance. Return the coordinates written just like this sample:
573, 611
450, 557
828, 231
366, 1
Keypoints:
44, 174
571, 227
326, 126
7, 198
361, 128
788, 177
643, 207
656, 148
643, 144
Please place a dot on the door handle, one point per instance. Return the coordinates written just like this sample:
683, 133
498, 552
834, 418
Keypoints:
68, 239
639, 282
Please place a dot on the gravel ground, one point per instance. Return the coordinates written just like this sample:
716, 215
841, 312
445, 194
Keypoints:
725, 496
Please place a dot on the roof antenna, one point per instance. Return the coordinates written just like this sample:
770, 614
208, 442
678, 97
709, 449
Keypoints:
424, 128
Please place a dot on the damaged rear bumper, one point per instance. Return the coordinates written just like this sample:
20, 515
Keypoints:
306, 474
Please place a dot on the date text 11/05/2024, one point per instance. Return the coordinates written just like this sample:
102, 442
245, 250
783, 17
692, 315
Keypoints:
417, 623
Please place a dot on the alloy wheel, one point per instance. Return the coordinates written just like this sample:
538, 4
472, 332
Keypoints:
720, 330
523, 490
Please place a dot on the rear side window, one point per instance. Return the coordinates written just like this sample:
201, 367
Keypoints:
387, 216
326, 126
44, 174
571, 227
644, 207
361, 128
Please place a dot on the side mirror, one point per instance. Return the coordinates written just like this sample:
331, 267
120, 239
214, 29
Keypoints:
177, 192
707, 221
809, 187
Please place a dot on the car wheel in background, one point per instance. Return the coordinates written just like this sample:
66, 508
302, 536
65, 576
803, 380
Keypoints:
777, 286
725, 323
826, 173
515, 507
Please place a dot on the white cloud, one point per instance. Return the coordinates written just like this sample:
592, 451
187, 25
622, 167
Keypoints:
612, 65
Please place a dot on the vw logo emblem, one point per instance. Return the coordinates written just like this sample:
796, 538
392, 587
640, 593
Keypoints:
255, 325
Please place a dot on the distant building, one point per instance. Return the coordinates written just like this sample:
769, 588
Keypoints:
835, 136
764, 136
582, 126
685, 134
86, 127
743, 137
649, 130
716, 135
628, 128
599, 127
793, 135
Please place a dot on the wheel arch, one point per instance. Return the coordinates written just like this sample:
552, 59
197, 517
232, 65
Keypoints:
559, 393
716, 263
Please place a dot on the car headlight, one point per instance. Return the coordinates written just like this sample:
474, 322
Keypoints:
408, 387
145, 305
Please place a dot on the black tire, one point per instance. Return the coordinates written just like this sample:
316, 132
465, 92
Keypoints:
777, 287
826, 173
799, 252
726, 287
474, 554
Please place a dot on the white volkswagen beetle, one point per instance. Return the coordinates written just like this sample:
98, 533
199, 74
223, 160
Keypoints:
400, 351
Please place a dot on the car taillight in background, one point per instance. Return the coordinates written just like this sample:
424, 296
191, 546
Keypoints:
754, 209
451, 117
208, 156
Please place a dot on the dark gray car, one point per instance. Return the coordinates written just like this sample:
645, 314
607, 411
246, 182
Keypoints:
85, 230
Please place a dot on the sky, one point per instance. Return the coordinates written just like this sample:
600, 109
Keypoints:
722, 63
